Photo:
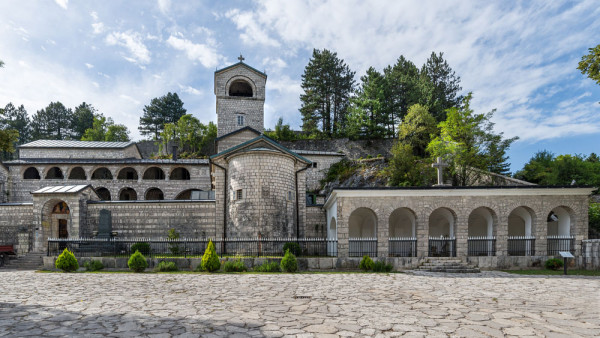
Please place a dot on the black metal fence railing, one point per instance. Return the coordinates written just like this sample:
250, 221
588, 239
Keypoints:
481, 246
521, 245
189, 247
402, 247
359, 247
560, 243
442, 247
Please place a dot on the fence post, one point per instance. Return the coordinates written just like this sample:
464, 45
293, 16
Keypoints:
48, 249
184, 249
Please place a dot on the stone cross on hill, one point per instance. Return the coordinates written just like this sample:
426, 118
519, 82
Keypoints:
440, 165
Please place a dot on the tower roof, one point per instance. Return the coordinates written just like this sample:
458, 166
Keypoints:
241, 63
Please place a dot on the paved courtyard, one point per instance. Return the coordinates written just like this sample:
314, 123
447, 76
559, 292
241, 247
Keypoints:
177, 305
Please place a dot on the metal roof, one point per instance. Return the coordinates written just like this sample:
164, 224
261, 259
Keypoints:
104, 161
75, 144
257, 139
61, 189
317, 152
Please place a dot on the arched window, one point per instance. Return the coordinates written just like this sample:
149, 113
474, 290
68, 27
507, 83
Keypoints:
240, 88
31, 174
154, 173
77, 173
154, 194
127, 174
179, 174
54, 174
521, 239
103, 193
102, 174
127, 194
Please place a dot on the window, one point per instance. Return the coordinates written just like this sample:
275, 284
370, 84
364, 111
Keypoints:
314, 164
239, 194
240, 120
290, 195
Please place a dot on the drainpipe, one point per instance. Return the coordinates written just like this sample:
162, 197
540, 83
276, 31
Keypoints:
298, 202
225, 197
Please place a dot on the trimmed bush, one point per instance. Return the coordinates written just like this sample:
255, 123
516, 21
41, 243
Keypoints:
66, 261
268, 267
93, 265
234, 266
210, 260
289, 262
366, 263
293, 247
381, 266
553, 264
137, 262
142, 247
166, 267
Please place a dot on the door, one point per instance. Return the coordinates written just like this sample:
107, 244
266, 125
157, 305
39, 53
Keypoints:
62, 233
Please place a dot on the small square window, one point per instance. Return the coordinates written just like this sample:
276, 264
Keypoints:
314, 164
238, 194
240, 120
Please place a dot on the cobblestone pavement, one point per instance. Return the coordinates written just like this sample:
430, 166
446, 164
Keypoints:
188, 305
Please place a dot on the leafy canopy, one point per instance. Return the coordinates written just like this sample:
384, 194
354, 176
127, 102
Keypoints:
162, 110
590, 64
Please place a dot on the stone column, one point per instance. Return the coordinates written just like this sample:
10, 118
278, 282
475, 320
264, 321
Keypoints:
383, 230
501, 234
342, 230
541, 235
461, 232
422, 233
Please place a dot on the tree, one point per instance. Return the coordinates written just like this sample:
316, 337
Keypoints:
191, 135
16, 119
1, 63
104, 129
8, 138
590, 64
53, 122
417, 129
83, 119
282, 132
162, 110
327, 83
445, 85
539, 169
546, 169
368, 107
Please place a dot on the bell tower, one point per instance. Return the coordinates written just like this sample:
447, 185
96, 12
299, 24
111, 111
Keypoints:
240, 92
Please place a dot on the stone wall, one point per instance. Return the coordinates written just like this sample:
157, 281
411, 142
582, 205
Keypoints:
81, 153
153, 219
16, 218
591, 254
235, 139
3, 183
352, 149
316, 222
314, 175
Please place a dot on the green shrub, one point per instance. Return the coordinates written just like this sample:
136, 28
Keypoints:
268, 267
234, 266
137, 262
174, 247
142, 247
93, 265
289, 262
340, 171
381, 266
66, 261
366, 263
166, 267
553, 264
293, 247
210, 260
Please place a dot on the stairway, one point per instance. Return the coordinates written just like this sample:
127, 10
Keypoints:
447, 264
30, 261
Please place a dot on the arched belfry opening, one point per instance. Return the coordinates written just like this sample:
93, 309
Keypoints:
240, 88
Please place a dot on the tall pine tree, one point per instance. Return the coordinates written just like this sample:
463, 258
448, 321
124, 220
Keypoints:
162, 110
52, 123
445, 85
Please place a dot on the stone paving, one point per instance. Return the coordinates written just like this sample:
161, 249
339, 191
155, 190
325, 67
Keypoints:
190, 305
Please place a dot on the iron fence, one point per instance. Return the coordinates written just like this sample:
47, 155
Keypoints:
359, 247
521, 245
190, 247
481, 246
402, 247
442, 247
560, 243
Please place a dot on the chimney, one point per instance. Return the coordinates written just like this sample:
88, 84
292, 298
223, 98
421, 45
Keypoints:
174, 147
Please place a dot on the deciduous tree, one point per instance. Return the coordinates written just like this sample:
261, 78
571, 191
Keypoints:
590, 64
105, 129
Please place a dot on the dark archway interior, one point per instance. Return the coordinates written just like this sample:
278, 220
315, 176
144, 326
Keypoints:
77, 173
187, 194
54, 174
127, 174
31, 174
240, 88
154, 173
155, 194
102, 174
180, 174
103, 193
128, 194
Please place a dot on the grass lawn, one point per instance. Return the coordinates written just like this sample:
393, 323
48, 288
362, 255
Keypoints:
557, 272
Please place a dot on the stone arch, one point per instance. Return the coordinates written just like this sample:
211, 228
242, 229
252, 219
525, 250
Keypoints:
482, 222
154, 173
442, 222
362, 223
102, 173
127, 173
77, 173
560, 221
103, 193
403, 223
154, 194
521, 222
179, 174
57, 222
127, 194
186, 194
54, 173
241, 86
31, 173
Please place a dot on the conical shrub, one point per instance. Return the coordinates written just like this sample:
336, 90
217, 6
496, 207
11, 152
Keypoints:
210, 260
289, 263
137, 262
66, 261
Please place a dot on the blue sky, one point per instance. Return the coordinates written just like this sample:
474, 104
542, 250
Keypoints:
517, 57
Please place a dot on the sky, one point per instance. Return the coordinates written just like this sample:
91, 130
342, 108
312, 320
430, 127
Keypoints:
519, 58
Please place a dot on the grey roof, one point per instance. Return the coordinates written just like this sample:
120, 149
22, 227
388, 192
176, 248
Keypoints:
317, 152
243, 64
61, 189
75, 144
263, 138
103, 161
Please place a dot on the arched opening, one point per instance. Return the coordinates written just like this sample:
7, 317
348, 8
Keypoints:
332, 237
103, 193
190, 194
57, 223
77, 173
102, 174
154, 194
179, 174
481, 240
240, 88
332, 231
127, 174
127, 194
54, 173
362, 228
402, 240
441, 233
31, 174
559, 231
520, 241
154, 173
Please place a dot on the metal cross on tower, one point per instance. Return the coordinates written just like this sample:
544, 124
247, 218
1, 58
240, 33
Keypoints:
241, 58
440, 165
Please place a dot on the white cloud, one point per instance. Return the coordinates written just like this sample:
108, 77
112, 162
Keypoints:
253, 33
190, 90
62, 3
164, 6
132, 41
89, 65
98, 27
207, 55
